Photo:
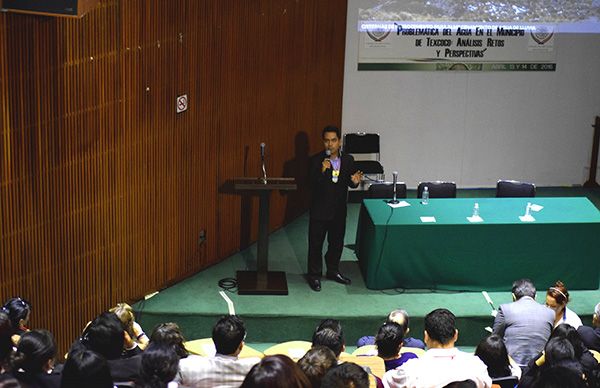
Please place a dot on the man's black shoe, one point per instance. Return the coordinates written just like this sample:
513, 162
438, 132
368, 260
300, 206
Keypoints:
338, 277
315, 284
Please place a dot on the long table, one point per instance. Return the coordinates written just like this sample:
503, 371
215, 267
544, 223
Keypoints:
397, 250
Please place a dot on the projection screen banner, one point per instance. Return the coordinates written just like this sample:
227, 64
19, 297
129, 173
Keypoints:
433, 46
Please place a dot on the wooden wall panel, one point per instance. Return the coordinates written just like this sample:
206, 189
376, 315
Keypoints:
104, 188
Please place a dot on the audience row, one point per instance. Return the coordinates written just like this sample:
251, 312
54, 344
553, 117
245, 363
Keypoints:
532, 345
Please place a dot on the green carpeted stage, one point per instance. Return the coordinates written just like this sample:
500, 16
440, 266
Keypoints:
195, 303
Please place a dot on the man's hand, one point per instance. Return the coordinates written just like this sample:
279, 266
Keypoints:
357, 177
325, 165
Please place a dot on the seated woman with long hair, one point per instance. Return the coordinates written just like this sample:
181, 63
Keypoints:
492, 351
33, 361
19, 312
557, 298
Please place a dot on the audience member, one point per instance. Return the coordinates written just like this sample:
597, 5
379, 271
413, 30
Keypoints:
449, 363
560, 376
86, 369
106, 335
276, 371
524, 324
492, 351
582, 354
133, 330
331, 339
159, 366
6, 344
558, 356
225, 368
557, 298
33, 361
591, 335
170, 334
389, 343
329, 333
316, 362
346, 375
401, 318
19, 312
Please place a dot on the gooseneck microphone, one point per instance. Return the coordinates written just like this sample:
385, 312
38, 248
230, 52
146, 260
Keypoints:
262, 162
395, 200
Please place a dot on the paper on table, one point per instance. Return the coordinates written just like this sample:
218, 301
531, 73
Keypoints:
427, 219
399, 204
527, 218
475, 219
536, 208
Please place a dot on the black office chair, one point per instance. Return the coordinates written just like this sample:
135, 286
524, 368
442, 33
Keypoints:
386, 190
506, 382
509, 188
362, 145
437, 189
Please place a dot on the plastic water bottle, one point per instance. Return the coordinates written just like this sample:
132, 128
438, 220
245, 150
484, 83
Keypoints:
476, 210
425, 196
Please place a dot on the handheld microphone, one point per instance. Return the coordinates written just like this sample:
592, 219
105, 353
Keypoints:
328, 153
395, 200
262, 159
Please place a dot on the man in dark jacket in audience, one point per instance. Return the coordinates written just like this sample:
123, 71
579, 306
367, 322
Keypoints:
591, 335
105, 335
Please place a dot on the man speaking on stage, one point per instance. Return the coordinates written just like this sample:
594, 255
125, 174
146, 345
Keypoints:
330, 175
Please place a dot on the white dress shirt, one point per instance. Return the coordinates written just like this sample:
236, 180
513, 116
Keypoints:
437, 368
219, 371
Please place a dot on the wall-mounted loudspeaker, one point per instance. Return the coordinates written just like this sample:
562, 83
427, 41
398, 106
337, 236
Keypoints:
69, 8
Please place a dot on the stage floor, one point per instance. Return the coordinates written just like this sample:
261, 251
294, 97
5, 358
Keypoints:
195, 303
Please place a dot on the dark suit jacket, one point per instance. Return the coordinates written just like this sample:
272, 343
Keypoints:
590, 337
125, 369
525, 326
328, 199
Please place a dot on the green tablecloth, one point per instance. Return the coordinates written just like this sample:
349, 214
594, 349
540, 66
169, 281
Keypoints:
396, 249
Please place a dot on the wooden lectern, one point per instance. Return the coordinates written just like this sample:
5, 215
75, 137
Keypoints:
262, 281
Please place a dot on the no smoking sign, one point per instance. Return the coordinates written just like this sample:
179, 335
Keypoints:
182, 103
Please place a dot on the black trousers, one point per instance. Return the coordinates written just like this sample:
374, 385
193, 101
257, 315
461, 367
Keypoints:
317, 230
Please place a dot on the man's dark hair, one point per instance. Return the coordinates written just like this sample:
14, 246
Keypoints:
316, 362
331, 128
160, 364
329, 323
564, 330
523, 287
105, 336
228, 333
557, 350
389, 340
440, 325
329, 338
346, 375
86, 369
